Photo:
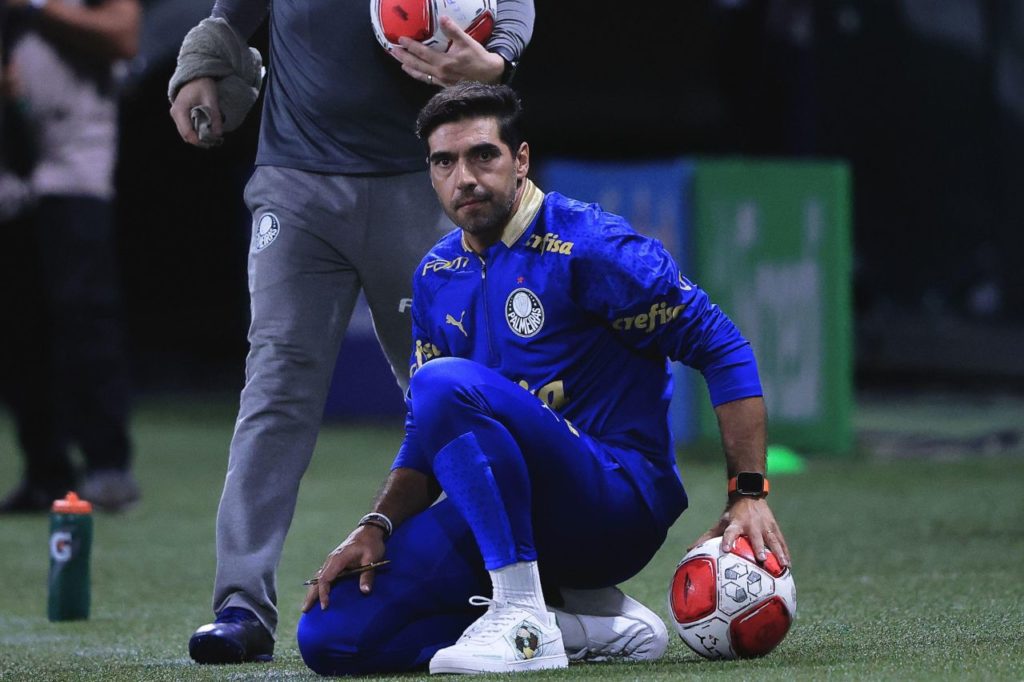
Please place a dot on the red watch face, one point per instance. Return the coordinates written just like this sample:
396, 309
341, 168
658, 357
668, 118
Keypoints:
748, 483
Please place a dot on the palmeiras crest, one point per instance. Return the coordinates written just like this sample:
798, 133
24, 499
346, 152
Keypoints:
266, 231
524, 313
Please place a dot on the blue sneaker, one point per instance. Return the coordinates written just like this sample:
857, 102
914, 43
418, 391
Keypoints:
237, 636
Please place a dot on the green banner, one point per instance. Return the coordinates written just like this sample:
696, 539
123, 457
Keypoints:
773, 250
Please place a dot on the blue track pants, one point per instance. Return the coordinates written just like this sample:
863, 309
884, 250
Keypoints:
521, 484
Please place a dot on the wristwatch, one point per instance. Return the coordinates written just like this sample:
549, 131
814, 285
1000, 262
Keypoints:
509, 71
749, 484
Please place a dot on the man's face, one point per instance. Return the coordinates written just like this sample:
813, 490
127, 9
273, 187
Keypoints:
476, 176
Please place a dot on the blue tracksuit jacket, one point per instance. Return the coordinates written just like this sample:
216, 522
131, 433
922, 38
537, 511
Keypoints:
584, 312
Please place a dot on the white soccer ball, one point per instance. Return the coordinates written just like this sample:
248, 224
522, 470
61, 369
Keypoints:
726, 605
421, 20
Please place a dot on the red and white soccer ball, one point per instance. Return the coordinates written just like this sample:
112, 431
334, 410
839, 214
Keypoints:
421, 20
726, 605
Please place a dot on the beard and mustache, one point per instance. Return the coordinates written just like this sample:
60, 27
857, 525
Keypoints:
494, 218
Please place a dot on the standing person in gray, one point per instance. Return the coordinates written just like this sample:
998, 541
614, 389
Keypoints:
341, 202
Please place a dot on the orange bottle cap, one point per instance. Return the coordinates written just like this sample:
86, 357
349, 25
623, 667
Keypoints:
72, 505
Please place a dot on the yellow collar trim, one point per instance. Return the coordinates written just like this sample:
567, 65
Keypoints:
529, 206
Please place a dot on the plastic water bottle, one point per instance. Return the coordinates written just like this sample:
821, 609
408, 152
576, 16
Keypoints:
70, 545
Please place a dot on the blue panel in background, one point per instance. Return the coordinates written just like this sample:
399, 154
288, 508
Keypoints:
656, 198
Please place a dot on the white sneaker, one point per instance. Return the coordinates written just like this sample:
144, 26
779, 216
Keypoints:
505, 639
607, 625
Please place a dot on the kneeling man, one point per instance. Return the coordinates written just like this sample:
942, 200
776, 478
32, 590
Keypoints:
543, 330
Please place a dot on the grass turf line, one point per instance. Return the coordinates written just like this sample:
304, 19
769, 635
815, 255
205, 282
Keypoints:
904, 570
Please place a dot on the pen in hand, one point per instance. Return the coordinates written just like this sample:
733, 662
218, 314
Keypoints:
351, 571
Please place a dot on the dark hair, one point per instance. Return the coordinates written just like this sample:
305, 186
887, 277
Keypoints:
474, 100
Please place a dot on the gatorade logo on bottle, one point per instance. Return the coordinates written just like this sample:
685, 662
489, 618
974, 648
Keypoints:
60, 546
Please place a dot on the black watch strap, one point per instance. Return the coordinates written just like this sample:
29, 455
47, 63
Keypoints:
509, 71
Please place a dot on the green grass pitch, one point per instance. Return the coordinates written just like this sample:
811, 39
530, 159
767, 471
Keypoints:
904, 569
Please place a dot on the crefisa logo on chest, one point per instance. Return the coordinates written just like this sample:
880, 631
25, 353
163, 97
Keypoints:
524, 313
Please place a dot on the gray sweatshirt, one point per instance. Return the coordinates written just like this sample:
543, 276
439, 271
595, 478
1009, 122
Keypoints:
336, 101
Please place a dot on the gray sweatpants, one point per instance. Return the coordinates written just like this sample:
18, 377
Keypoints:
317, 239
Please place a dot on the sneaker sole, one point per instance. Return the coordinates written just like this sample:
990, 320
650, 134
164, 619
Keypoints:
541, 663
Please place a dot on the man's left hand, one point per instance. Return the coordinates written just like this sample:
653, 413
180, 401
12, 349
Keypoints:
465, 60
364, 545
753, 518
